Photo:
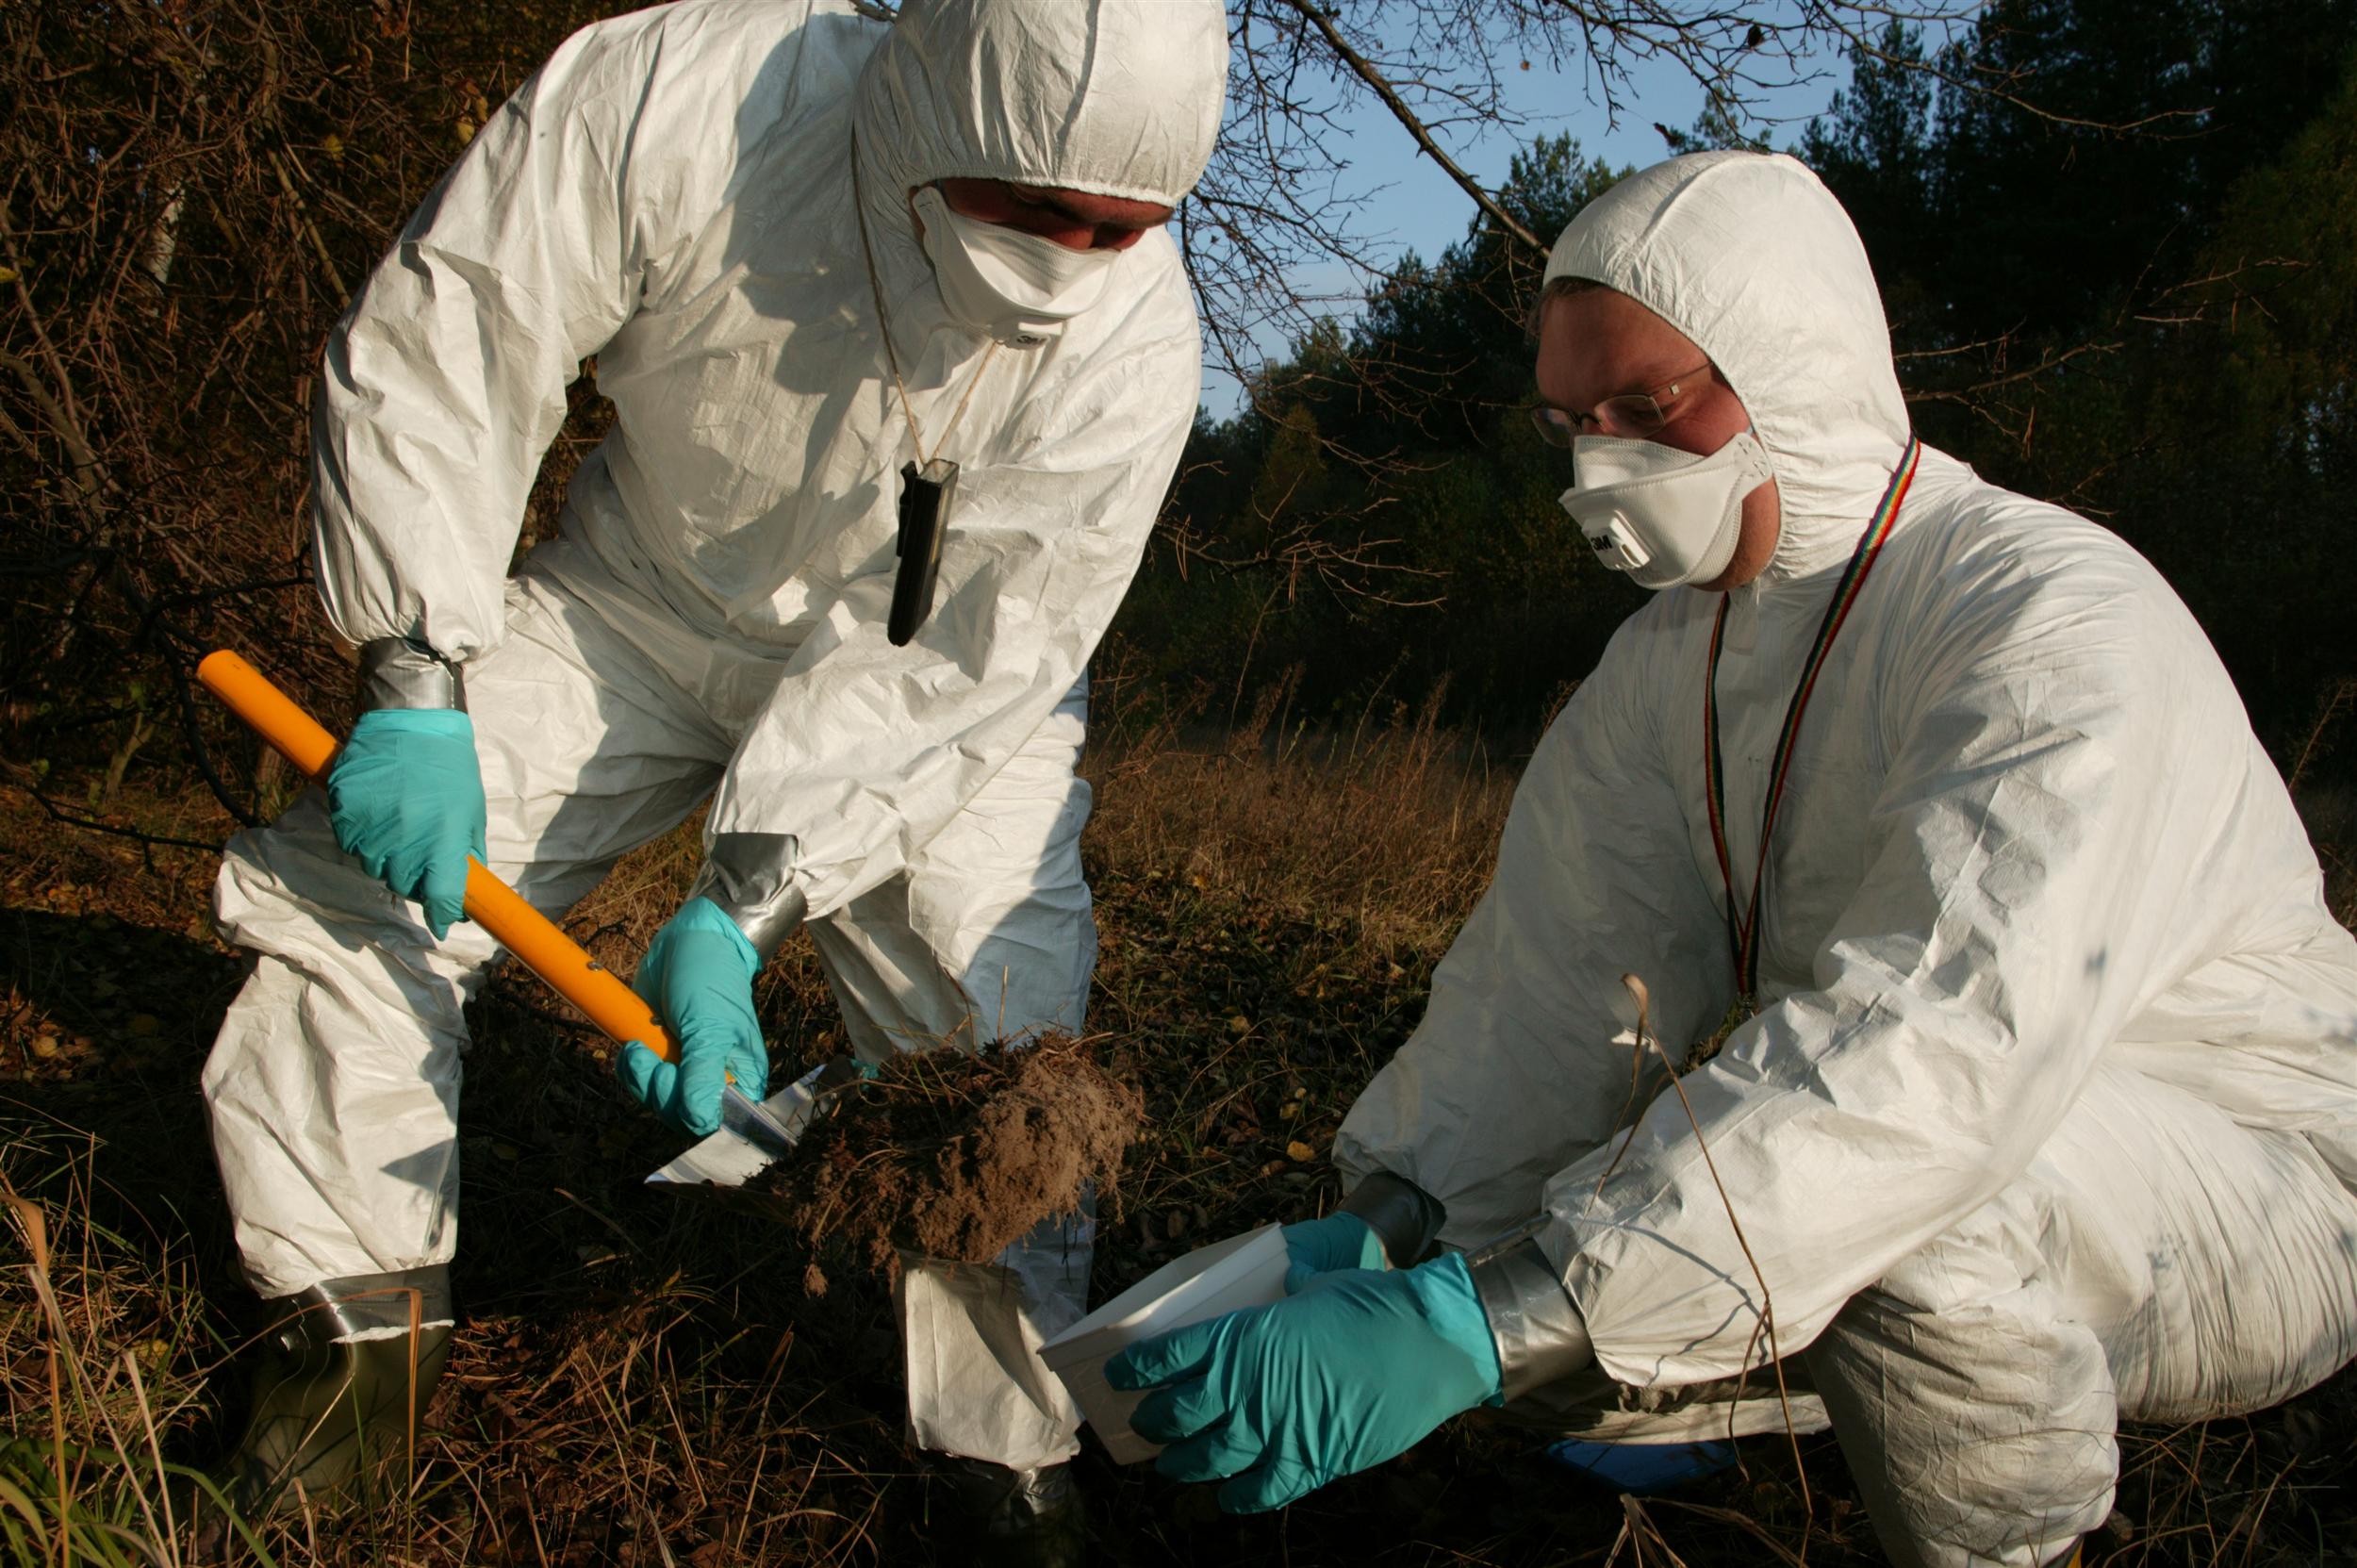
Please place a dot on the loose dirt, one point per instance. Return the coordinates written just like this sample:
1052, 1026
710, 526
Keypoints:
956, 1156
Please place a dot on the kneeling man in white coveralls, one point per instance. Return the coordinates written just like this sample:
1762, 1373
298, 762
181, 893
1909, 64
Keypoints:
813, 252
2043, 1112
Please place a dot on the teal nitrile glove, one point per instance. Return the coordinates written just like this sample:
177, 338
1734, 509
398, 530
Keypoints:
1339, 1240
406, 799
697, 975
1283, 1399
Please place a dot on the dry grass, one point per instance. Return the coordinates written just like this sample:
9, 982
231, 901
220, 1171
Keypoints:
1391, 825
643, 1381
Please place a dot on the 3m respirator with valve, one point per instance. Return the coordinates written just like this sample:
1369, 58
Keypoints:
1665, 517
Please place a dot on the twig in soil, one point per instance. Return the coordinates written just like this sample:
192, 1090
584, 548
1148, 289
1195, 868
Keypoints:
1642, 1525
601, 1219
654, 1533
151, 840
1624, 1124
1741, 1521
1767, 1303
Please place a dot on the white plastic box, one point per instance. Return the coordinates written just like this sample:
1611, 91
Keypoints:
1243, 1270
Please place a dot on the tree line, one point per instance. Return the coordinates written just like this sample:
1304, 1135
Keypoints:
2117, 244
2116, 239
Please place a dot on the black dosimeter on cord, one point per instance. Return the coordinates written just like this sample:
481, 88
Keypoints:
925, 497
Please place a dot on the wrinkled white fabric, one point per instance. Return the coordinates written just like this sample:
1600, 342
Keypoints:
673, 192
971, 1335
2028, 839
673, 195
1115, 97
2157, 1261
334, 1084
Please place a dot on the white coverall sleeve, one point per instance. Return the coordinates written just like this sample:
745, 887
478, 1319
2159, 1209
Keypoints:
445, 381
864, 750
1524, 1060
2055, 747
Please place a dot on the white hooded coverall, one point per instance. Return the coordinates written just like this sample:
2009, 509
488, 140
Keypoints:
673, 192
2048, 1116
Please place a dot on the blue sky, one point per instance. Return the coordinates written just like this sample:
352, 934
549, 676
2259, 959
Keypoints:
1420, 208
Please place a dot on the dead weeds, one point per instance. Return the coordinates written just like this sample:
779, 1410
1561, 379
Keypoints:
642, 1380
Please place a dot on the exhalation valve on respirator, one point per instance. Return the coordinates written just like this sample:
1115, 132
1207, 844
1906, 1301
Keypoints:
1664, 517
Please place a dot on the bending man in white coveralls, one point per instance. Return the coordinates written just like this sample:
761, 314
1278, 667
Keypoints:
2047, 1116
807, 248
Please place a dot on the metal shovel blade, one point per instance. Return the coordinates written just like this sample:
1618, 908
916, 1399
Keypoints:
753, 1134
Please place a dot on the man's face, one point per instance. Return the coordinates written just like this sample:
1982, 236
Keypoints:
1598, 343
1073, 218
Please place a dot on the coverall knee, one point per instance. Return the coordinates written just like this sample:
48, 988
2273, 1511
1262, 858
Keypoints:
2157, 1261
334, 1083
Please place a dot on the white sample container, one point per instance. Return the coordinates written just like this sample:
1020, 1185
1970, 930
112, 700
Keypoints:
1241, 1271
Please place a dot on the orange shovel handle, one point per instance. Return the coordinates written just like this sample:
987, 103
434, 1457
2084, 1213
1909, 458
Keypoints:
497, 908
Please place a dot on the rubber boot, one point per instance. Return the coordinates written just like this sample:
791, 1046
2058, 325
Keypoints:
1019, 1518
345, 1377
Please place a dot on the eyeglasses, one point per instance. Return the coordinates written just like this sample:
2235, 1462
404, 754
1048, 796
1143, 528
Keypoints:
1632, 414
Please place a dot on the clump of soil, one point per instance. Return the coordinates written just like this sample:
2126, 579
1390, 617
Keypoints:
956, 1156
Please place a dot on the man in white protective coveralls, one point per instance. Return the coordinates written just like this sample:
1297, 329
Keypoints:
2047, 1113
807, 248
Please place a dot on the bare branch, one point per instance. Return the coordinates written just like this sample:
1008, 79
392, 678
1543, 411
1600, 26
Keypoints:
1322, 20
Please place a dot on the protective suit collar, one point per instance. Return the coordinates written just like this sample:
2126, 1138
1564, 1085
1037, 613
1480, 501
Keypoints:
1749, 255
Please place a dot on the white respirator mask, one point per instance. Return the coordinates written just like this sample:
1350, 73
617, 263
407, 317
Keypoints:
1017, 288
1663, 516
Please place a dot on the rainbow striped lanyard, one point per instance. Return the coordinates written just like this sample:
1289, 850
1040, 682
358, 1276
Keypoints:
1743, 930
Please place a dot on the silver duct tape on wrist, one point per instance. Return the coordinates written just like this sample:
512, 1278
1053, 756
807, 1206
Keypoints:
1404, 1217
1003, 1500
366, 1306
399, 672
1536, 1327
750, 876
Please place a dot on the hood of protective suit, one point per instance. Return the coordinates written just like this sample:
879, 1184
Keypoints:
1751, 256
1114, 97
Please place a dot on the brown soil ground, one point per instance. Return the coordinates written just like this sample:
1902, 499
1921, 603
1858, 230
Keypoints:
640, 1380
955, 1155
